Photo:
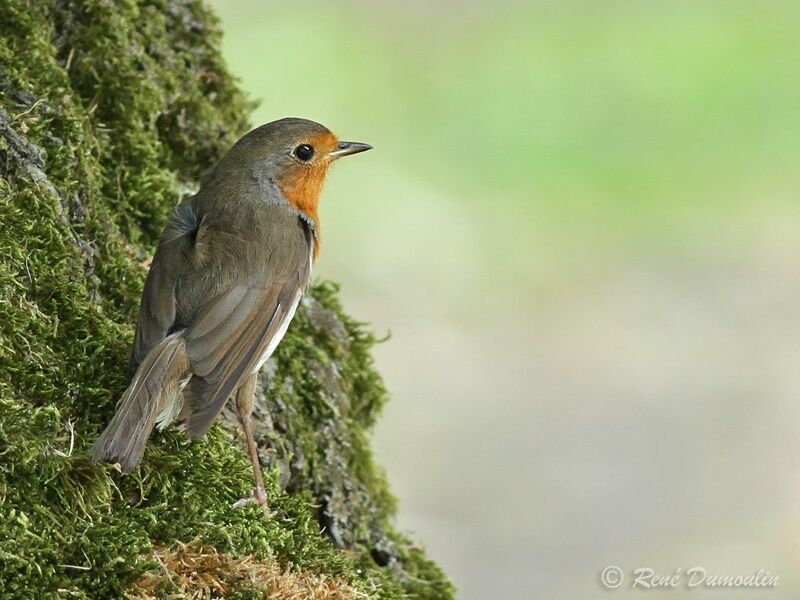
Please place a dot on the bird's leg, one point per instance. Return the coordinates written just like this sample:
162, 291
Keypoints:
244, 409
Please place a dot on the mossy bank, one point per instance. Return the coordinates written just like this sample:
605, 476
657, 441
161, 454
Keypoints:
109, 113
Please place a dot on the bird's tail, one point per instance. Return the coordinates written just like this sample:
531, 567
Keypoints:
149, 397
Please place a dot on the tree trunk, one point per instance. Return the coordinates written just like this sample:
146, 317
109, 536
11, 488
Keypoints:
109, 113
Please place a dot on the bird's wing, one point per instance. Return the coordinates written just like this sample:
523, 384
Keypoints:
157, 310
233, 333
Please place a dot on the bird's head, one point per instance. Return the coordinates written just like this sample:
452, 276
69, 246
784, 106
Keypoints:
292, 154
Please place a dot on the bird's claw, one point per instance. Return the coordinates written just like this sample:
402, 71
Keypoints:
259, 496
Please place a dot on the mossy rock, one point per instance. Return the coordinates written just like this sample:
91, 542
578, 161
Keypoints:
109, 113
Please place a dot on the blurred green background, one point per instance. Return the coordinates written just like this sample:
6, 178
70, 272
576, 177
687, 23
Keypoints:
580, 223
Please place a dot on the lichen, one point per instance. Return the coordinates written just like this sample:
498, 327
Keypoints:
109, 112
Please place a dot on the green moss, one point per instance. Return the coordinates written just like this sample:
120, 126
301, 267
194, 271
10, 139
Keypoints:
108, 112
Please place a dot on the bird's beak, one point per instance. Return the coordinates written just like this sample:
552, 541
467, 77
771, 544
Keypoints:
348, 148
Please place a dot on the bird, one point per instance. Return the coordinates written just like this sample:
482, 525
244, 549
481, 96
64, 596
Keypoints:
227, 276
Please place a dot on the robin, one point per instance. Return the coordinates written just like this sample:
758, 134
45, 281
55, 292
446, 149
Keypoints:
226, 279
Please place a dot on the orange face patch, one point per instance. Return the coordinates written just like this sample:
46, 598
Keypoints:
302, 183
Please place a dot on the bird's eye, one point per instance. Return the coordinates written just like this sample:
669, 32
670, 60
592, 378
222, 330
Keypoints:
304, 152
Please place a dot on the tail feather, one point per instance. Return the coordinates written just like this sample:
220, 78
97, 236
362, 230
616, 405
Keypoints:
153, 387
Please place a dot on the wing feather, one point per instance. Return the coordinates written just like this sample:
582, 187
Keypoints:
234, 357
157, 313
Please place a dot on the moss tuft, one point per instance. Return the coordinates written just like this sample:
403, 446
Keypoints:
108, 112
201, 572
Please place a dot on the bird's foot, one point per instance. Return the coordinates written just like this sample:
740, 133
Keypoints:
259, 496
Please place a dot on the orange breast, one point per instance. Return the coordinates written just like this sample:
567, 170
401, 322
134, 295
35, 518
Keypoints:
302, 183
302, 189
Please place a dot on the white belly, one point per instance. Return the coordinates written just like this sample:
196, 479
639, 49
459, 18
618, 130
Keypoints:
276, 339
